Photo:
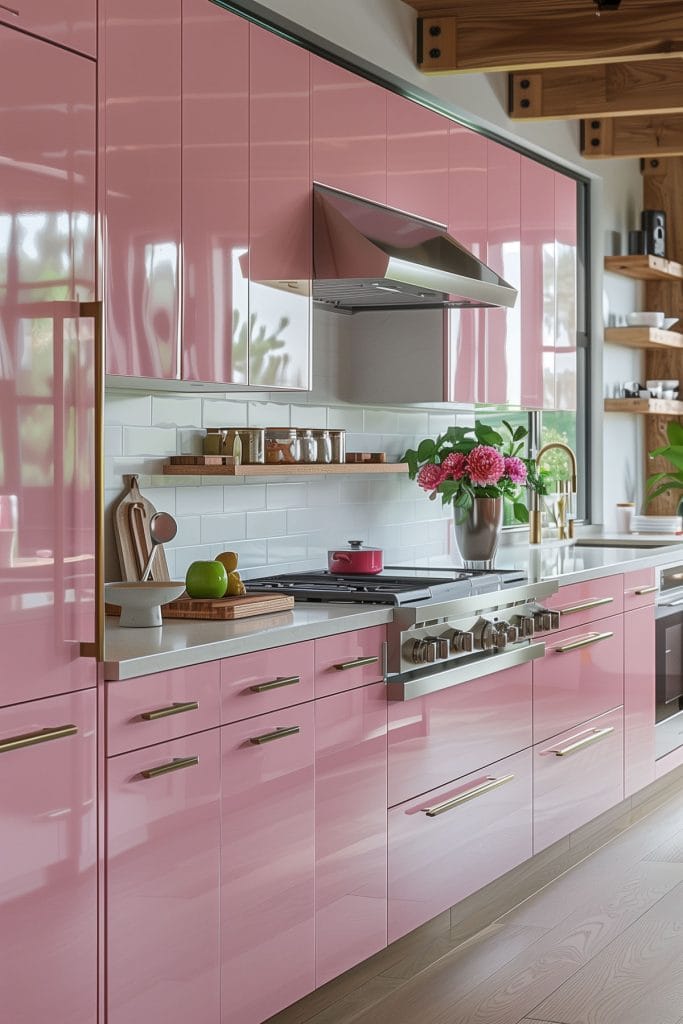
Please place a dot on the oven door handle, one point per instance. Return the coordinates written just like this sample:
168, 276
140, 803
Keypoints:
417, 684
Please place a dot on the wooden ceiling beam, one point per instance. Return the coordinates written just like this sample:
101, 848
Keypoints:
650, 135
492, 35
601, 90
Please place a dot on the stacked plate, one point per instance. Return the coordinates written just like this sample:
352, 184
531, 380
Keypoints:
657, 524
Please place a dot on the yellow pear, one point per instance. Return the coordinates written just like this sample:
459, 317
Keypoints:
228, 560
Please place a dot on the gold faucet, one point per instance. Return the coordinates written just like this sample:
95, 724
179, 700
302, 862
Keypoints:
566, 529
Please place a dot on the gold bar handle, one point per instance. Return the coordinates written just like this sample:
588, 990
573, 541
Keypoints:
470, 794
346, 665
173, 766
174, 709
586, 641
29, 739
572, 609
644, 590
274, 684
279, 734
594, 736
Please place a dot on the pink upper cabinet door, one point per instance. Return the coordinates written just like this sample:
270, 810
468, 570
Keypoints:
538, 293
140, 84
639, 699
417, 159
280, 211
47, 260
215, 193
71, 23
349, 118
48, 861
503, 326
565, 291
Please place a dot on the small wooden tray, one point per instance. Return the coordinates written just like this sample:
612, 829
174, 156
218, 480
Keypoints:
202, 460
222, 609
362, 457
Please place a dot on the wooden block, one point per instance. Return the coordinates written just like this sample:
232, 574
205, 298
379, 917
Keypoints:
436, 44
362, 457
202, 460
224, 609
525, 93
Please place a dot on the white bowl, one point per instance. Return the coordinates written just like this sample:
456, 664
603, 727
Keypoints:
666, 393
140, 603
669, 321
645, 319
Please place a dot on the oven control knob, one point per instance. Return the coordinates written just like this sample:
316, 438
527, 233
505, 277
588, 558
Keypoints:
485, 634
461, 641
525, 625
545, 620
440, 644
415, 651
508, 632
500, 640
432, 649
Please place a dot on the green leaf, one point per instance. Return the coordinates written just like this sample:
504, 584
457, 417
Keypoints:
521, 512
509, 429
674, 456
426, 450
674, 431
486, 434
662, 490
411, 458
520, 433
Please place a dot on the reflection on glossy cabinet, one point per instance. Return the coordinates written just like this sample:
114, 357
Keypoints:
349, 129
537, 299
280, 213
141, 82
417, 159
350, 829
565, 291
48, 862
47, 435
263, 681
503, 326
163, 853
267, 866
215, 193
346, 660
71, 23
639, 699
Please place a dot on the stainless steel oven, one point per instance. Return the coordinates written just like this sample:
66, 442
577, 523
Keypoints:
669, 659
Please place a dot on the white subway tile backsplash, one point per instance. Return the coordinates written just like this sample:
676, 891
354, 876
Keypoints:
345, 417
176, 411
113, 441
125, 409
323, 491
244, 499
201, 501
189, 532
440, 422
268, 414
308, 416
266, 524
305, 520
183, 558
413, 422
287, 549
223, 412
251, 554
218, 529
287, 495
380, 421
150, 440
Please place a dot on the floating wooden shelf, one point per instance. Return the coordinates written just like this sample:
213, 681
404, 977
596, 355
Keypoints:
644, 337
366, 469
645, 406
645, 268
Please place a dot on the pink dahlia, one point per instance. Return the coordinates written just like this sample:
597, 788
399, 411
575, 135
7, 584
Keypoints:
485, 465
454, 466
429, 477
515, 469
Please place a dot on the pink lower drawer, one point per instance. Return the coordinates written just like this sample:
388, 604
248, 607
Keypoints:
255, 684
577, 776
437, 859
441, 737
347, 660
640, 589
581, 603
166, 705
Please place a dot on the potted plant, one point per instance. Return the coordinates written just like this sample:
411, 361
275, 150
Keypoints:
475, 469
672, 479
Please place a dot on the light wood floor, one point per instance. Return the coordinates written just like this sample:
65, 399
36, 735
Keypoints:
602, 944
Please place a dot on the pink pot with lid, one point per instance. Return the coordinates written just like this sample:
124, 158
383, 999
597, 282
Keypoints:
356, 559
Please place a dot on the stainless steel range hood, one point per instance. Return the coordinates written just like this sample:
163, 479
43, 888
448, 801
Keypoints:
367, 256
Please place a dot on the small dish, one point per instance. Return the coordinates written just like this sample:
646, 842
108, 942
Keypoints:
140, 603
645, 318
669, 394
669, 321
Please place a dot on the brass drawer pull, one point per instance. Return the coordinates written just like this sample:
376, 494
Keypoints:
275, 683
572, 609
345, 665
644, 590
586, 641
470, 794
279, 734
173, 766
593, 737
174, 709
29, 739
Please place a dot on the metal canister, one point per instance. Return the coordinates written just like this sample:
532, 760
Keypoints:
324, 446
338, 441
309, 445
283, 445
247, 444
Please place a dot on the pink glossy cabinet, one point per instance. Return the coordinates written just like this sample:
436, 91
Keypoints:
163, 855
417, 159
639, 698
48, 860
215, 194
141, 131
47, 431
71, 23
280, 214
503, 326
537, 300
566, 214
347, 660
253, 684
349, 129
350, 828
267, 866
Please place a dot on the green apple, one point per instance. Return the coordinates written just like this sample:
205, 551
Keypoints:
206, 579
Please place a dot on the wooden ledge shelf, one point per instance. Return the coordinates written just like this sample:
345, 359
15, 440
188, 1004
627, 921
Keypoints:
644, 337
645, 268
645, 406
314, 469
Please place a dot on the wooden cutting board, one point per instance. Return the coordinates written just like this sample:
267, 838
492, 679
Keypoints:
223, 609
130, 522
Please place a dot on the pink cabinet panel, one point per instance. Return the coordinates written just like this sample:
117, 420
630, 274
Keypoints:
479, 828
537, 299
639, 699
640, 589
503, 326
417, 159
577, 776
215, 197
141, 126
267, 866
347, 660
350, 829
163, 853
581, 675
253, 684
48, 862
47, 423
565, 291
160, 707
582, 603
71, 23
349, 127
280, 213
440, 737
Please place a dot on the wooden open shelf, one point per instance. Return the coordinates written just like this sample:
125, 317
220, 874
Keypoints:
645, 268
644, 337
645, 406
314, 469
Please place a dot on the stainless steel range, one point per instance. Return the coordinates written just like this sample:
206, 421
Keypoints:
448, 626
